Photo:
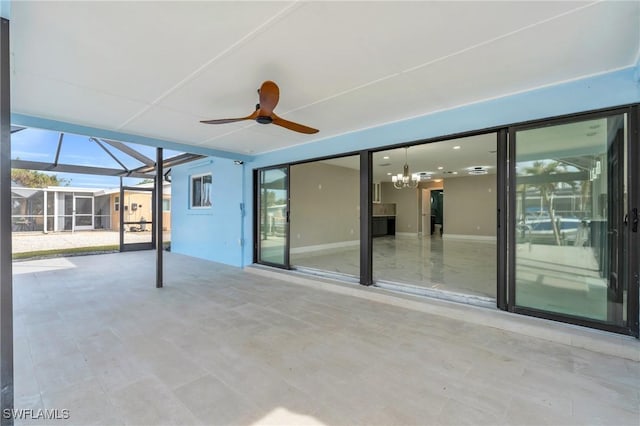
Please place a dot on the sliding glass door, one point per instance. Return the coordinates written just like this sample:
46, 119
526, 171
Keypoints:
273, 217
325, 216
436, 232
569, 233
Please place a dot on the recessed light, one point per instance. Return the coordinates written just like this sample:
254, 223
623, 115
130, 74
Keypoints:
386, 157
455, 173
456, 147
440, 167
388, 174
477, 170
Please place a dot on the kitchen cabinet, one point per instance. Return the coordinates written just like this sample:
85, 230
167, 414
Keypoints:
383, 225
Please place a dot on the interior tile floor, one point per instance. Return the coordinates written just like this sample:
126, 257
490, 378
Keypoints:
468, 266
219, 346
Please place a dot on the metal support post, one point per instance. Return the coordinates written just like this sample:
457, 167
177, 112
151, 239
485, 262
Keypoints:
6, 283
366, 203
158, 216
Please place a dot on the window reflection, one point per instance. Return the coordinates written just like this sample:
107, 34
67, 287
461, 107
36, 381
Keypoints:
569, 198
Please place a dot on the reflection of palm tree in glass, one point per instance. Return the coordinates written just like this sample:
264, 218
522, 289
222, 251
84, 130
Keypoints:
547, 188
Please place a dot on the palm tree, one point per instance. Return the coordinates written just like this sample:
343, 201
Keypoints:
547, 189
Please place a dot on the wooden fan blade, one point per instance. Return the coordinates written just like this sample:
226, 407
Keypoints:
269, 96
231, 120
292, 126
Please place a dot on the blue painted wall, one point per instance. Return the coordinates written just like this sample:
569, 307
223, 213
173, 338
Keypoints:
5, 9
213, 233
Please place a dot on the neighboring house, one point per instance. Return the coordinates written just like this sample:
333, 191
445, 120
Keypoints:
62, 208
137, 206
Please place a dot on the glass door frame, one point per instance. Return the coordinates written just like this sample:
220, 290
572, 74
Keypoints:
631, 267
257, 211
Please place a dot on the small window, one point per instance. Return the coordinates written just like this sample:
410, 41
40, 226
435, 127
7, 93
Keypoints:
166, 204
201, 191
116, 204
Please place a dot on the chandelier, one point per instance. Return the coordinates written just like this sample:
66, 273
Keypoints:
405, 179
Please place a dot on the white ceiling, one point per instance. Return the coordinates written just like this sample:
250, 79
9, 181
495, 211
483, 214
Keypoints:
155, 69
472, 151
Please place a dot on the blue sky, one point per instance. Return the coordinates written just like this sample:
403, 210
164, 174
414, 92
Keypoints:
41, 145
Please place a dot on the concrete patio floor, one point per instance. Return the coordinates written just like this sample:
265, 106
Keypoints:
219, 345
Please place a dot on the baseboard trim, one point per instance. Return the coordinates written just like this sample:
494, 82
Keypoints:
483, 238
328, 246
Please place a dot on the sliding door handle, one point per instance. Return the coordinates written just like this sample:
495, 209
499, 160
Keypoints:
634, 220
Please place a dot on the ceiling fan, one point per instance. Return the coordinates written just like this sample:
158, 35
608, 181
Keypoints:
269, 96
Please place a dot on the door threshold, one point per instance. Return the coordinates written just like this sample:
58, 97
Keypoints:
340, 276
468, 299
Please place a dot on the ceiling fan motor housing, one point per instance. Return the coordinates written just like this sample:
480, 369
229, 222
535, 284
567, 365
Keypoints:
264, 119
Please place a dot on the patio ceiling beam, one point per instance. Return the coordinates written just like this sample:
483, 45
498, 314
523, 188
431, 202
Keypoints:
55, 161
129, 151
70, 168
170, 162
110, 154
182, 159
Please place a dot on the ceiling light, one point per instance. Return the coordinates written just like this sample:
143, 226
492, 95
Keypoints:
440, 167
437, 180
389, 174
456, 147
405, 179
386, 157
477, 170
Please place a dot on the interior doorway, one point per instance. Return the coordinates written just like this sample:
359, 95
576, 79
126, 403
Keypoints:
437, 212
